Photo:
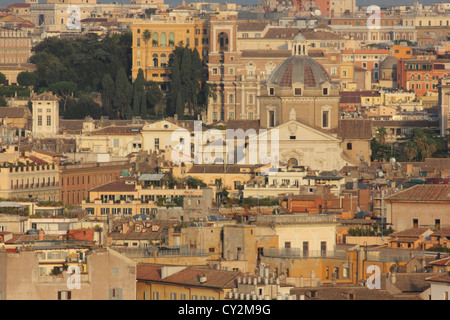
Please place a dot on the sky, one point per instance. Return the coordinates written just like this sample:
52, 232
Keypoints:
4, 3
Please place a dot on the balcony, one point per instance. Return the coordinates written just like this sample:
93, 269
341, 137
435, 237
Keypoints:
297, 253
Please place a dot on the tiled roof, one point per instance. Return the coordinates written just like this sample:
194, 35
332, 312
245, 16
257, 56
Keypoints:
444, 232
115, 130
355, 129
410, 233
441, 262
440, 278
219, 168
81, 234
423, 193
115, 186
243, 124
251, 26
148, 272
15, 112
190, 276
343, 292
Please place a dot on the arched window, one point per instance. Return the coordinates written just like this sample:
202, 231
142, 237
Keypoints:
171, 39
412, 77
231, 98
293, 162
155, 39
222, 38
155, 60
163, 42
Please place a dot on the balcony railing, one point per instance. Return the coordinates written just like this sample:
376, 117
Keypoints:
297, 253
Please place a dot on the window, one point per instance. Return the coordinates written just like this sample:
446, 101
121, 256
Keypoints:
325, 119
287, 244
156, 143
323, 248
39, 121
325, 91
415, 223
305, 248
155, 295
271, 118
349, 146
173, 296
271, 91
298, 91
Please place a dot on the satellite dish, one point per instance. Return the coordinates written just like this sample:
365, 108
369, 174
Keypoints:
317, 12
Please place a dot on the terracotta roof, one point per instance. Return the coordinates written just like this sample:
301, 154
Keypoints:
148, 272
343, 293
410, 233
190, 276
440, 278
116, 186
355, 129
37, 160
19, 5
443, 232
251, 26
15, 112
243, 124
441, 262
219, 168
423, 193
115, 130
81, 234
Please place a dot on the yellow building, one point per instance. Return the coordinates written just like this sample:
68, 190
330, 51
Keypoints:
152, 49
126, 197
40, 181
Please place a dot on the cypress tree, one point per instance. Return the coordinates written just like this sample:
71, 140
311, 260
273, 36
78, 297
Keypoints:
138, 94
185, 76
123, 94
175, 87
108, 87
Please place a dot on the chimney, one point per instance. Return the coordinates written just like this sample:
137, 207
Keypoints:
41, 235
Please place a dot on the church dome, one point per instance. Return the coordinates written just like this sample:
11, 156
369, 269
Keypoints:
299, 68
389, 63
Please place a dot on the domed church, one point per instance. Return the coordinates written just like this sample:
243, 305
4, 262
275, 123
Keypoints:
301, 103
300, 85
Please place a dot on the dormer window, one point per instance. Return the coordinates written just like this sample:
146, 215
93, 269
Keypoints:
271, 91
298, 91
325, 91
